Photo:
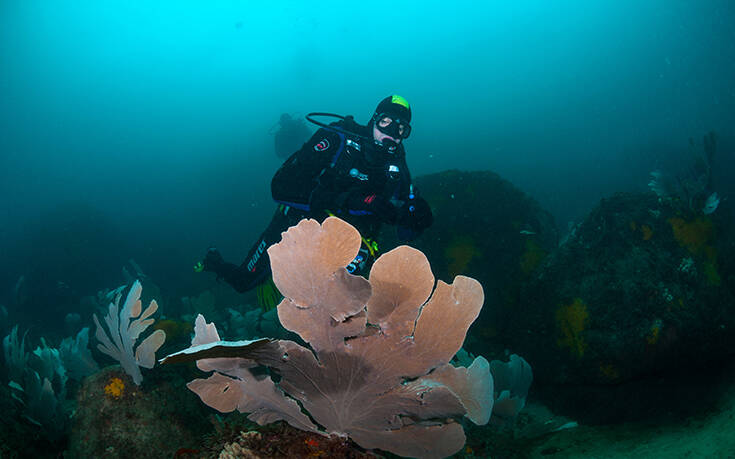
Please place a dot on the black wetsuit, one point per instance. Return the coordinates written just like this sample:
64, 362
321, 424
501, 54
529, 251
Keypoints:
321, 179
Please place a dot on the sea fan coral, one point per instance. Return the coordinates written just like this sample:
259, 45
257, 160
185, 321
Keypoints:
378, 369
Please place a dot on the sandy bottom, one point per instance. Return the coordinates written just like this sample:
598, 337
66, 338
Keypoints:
710, 433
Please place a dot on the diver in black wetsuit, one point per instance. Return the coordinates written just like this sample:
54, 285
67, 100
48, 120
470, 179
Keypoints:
355, 172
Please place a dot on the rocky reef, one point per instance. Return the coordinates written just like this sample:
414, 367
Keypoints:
641, 291
486, 228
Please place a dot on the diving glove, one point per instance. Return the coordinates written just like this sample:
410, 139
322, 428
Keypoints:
212, 261
415, 214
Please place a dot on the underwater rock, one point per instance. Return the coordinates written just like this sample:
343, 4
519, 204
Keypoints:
117, 419
638, 289
286, 442
485, 228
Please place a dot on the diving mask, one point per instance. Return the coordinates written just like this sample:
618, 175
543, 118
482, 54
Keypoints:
392, 126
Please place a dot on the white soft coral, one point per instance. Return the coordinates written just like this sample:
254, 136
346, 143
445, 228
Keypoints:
122, 334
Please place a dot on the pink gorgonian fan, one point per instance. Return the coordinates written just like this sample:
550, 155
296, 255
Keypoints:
377, 369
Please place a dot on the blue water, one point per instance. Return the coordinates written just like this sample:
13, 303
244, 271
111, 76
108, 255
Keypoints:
155, 116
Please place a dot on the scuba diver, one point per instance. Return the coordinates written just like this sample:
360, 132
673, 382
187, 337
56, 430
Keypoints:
290, 137
355, 172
